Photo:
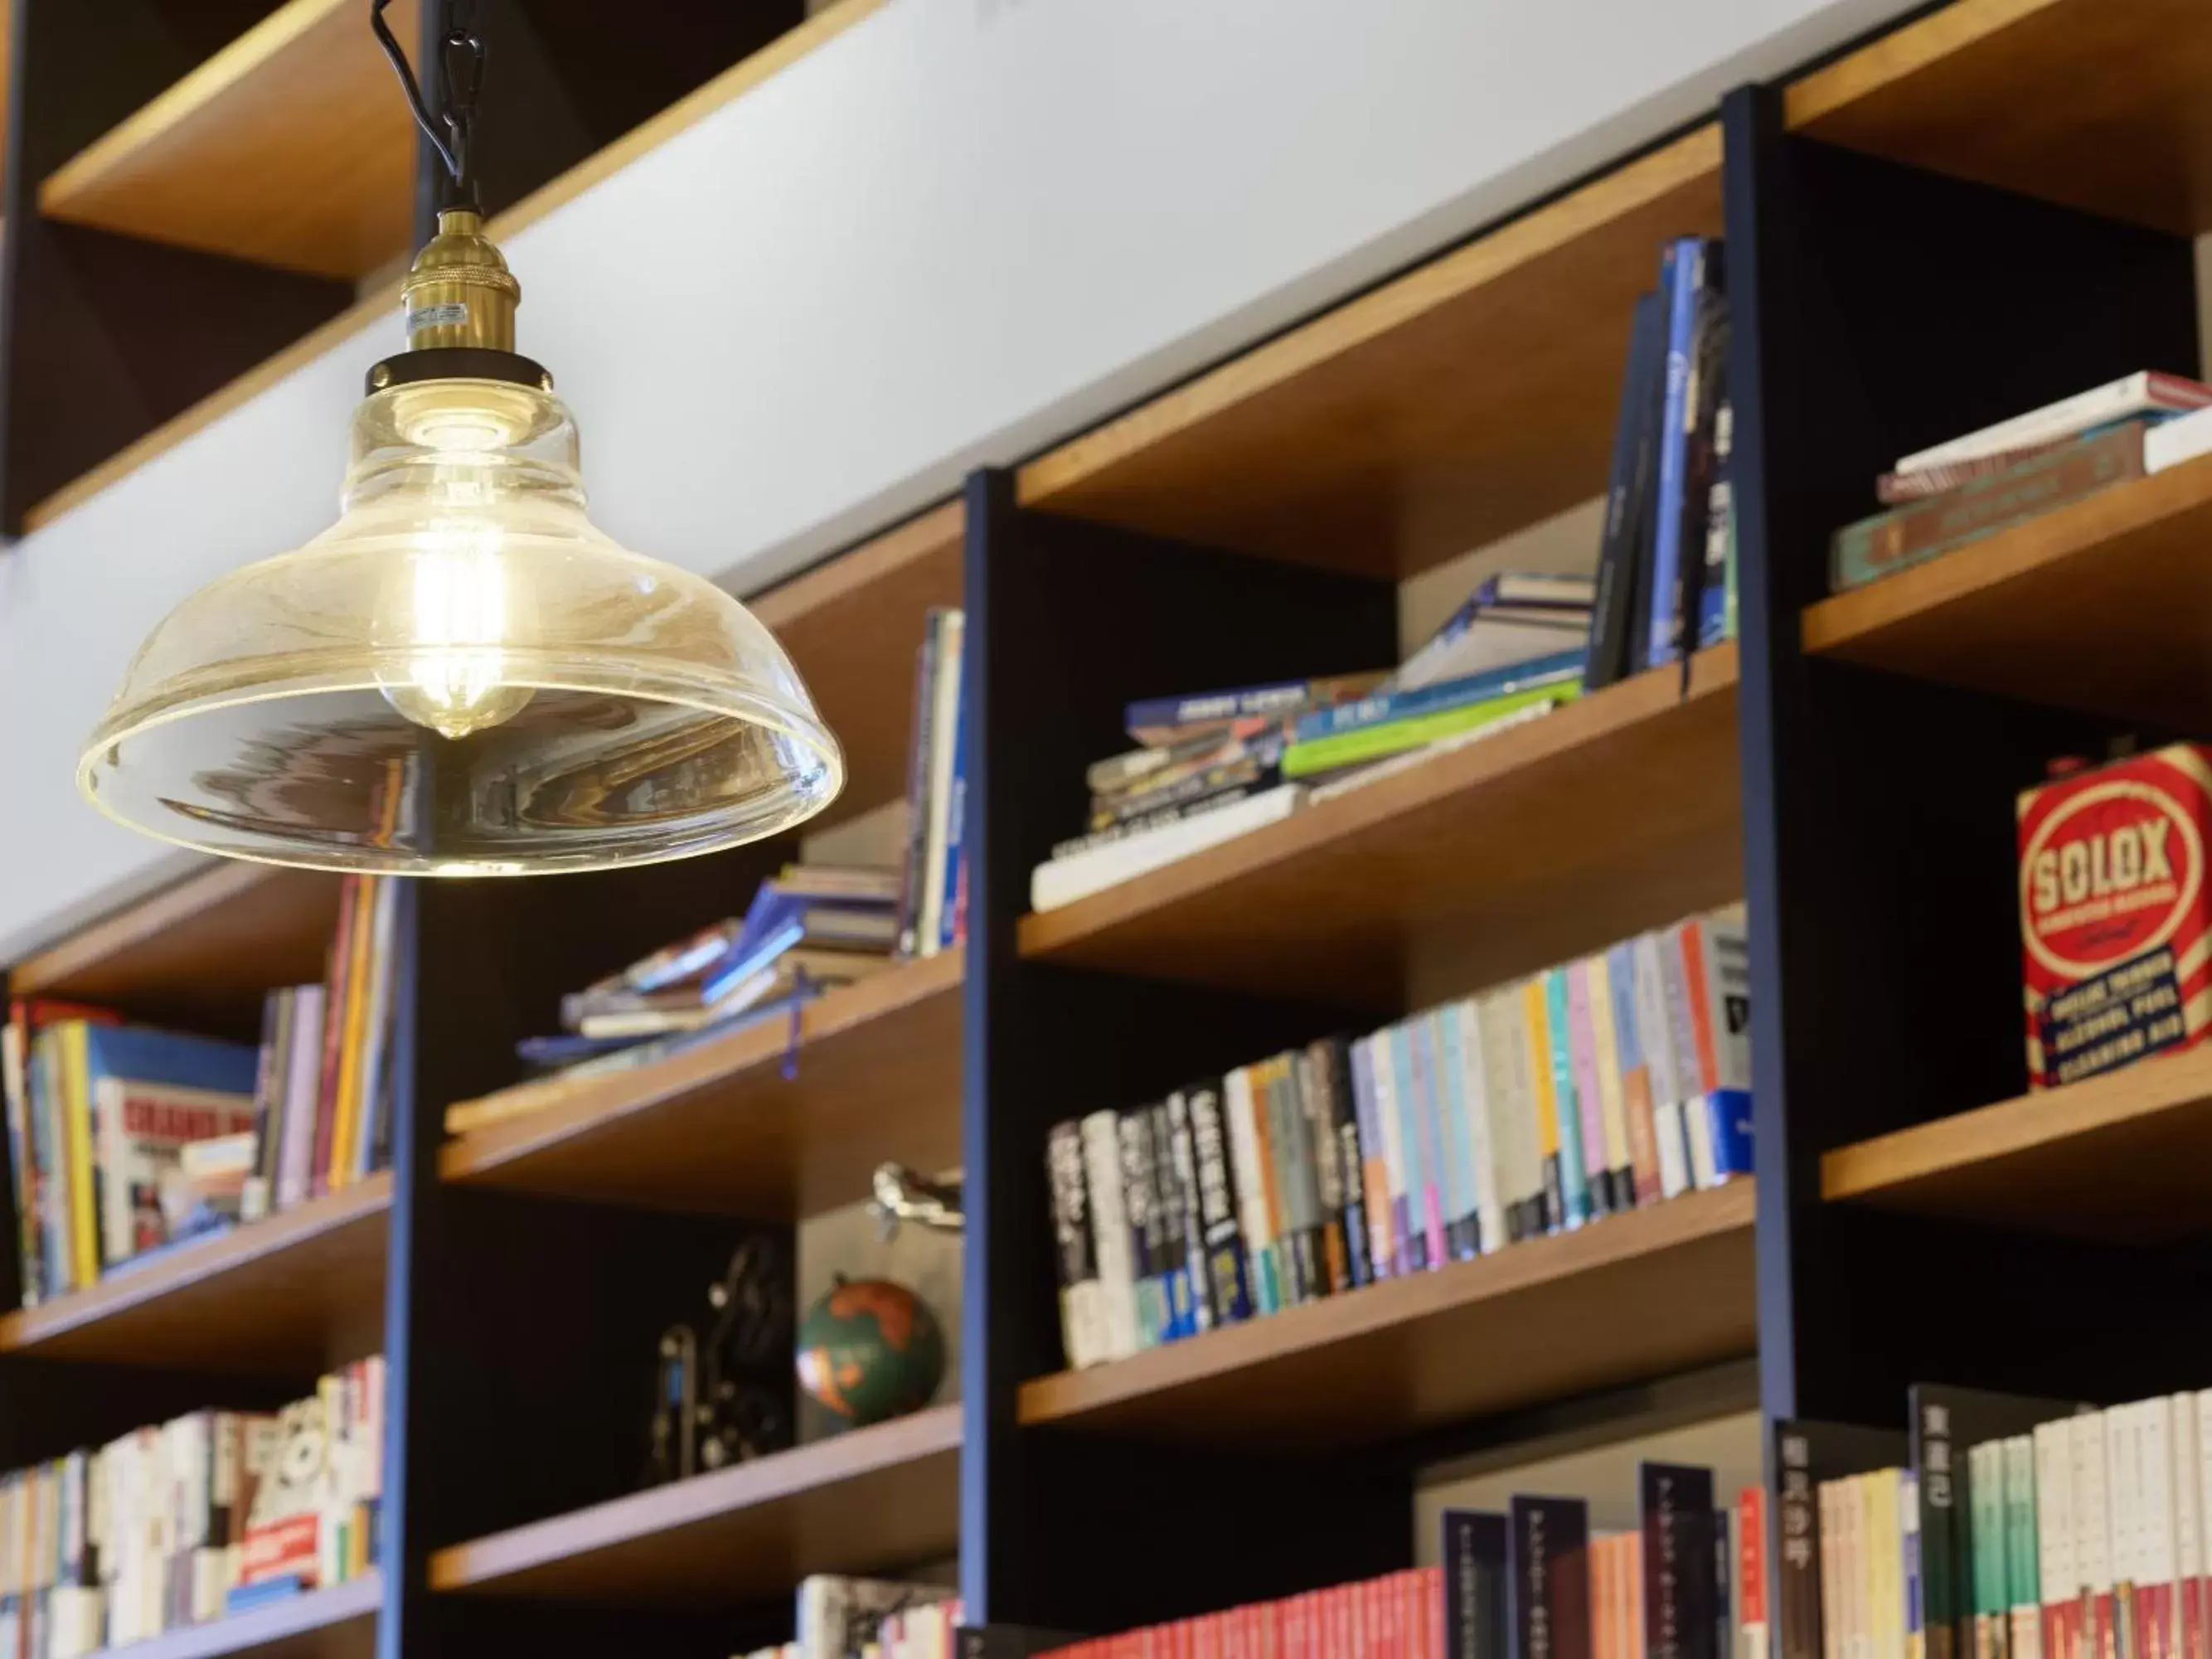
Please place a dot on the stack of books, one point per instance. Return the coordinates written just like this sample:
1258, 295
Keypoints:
1211, 766
932, 901
839, 1617
124, 1140
1599, 1086
1955, 493
185, 1522
2014, 1526
1533, 1582
808, 929
1666, 554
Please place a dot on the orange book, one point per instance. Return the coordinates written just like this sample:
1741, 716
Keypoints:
346, 1121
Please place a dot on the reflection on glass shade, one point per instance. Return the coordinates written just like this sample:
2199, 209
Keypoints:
462, 675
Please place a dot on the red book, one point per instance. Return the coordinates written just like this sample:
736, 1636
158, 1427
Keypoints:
1433, 1610
1751, 1555
1339, 1638
1230, 1634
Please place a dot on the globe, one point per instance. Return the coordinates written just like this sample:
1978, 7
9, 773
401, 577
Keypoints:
871, 1351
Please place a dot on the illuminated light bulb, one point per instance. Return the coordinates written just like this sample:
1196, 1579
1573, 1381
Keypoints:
455, 618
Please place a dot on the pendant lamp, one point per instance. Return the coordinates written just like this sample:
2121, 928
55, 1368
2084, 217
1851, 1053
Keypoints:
463, 676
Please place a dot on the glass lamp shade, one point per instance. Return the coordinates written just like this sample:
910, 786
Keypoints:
461, 677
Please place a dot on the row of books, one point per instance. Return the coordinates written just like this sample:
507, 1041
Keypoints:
839, 1617
933, 905
2005, 1527
1667, 553
324, 1088
808, 929
1213, 765
1955, 493
188, 1521
124, 1139
1532, 1583
1596, 1086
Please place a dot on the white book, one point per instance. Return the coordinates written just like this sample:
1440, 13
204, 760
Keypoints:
2157, 1548
2136, 394
1404, 1219
2187, 1512
2054, 1512
1511, 1134
944, 732
2182, 438
303, 1081
1102, 1168
1482, 1119
2093, 1537
1655, 1025
1371, 1151
1062, 881
1605, 1043
2123, 1495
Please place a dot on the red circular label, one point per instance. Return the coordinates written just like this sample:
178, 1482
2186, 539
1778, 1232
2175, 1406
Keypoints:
2109, 875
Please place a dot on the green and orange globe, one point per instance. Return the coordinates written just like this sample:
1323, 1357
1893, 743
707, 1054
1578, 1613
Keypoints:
870, 1351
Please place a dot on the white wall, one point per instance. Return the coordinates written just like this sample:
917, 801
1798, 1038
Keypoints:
957, 232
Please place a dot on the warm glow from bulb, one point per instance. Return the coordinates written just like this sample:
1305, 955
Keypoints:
454, 681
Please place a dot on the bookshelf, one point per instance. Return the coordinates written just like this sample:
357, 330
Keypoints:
1497, 839
287, 148
332, 1624
1847, 768
721, 1127
2110, 1158
1658, 1291
874, 1499
2107, 586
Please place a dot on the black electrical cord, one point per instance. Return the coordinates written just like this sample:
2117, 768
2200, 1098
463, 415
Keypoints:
463, 79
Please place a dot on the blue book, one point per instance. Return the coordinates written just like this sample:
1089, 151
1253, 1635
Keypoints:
760, 956
1574, 1181
1150, 720
244, 1598
955, 821
1556, 668
141, 1055
1728, 1113
1685, 293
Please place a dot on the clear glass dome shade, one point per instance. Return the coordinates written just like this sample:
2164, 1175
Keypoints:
462, 675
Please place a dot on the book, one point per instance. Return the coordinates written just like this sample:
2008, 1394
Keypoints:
1102, 1169
1477, 1620
922, 735
1248, 1156
1082, 1293
1751, 1624
1190, 1224
1903, 537
1140, 1205
1690, 290
1232, 780
1312, 756
936, 806
2142, 393
2177, 440
1557, 668
1158, 722
838, 1617
1229, 1286
1716, 592
1674, 1509
1547, 1576
1060, 881
1902, 488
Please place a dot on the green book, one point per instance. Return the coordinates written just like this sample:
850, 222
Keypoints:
2023, 1576
1304, 760
1986, 1492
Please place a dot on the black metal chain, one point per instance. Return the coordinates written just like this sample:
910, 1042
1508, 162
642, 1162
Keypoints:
462, 81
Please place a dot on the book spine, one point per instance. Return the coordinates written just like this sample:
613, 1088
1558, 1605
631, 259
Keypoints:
1535, 1009
1676, 1166
2023, 1592
1289, 1186
1180, 1309
1309, 759
2186, 1638
1215, 785
1248, 1157
1154, 716
1155, 818
1403, 1246
1081, 1292
1635, 1071
1229, 1291
1133, 1130
1574, 1168
1513, 1123
1663, 635
1752, 1625
917, 784
2054, 1533
1463, 1216
949, 928
1102, 1168
1428, 1124
1907, 536
1618, 547
1488, 1226
1554, 668
1375, 1168
1344, 1133
1198, 1271
1316, 1084
1717, 594
2094, 1632
1937, 1466
1405, 1101
945, 696
1589, 1104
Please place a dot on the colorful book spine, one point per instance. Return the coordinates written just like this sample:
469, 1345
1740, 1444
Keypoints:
1535, 1008
1684, 286
1248, 1156
1566, 1103
1229, 1286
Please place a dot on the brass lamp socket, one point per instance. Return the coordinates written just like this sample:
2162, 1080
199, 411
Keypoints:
461, 301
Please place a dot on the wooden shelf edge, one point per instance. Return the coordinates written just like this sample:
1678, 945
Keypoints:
157, 913
248, 1632
1541, 231
731, 84
844, 575
1835, 625
1901, 55
1875, 1169
1647, 696
855, 1454
143, 127
27, 1329
590, 1104
1069, 1396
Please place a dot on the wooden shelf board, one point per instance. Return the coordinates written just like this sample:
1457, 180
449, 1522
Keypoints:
871, 1500
201, 953
719, 1128
853, 626
289, 147
1469, 398
1630, 1298
2097, 104
332, 1624
1618, 811
2100, 605
281, 1297
2118, 1157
